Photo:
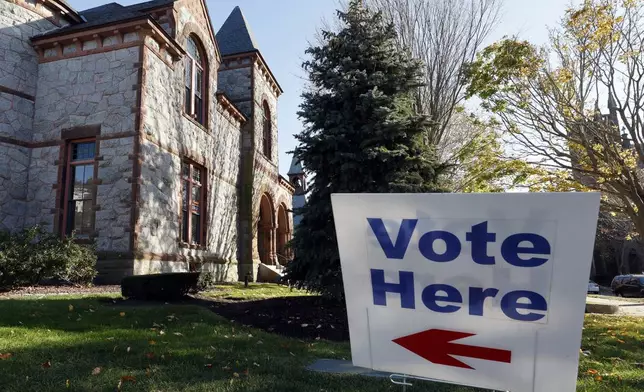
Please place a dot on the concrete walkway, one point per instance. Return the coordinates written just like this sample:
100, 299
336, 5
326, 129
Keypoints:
626, 308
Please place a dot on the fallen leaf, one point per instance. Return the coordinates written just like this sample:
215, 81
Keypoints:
260, 342
178, 334
150, 355
163, 357
5, 356
122, 314
152, 342
67, 383
46, 365
292, 354
598, 378
128, 349
592, 371
96, 371
131, 379
620, 341
304, 325
250, 336
235, 374
71, 308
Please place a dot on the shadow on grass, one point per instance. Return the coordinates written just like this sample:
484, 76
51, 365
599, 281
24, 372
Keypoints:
197, 351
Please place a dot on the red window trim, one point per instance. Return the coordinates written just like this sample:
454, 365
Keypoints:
191, 112
68, 176
203, 211
267, 131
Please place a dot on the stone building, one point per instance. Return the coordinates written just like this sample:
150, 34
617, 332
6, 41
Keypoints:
141, 130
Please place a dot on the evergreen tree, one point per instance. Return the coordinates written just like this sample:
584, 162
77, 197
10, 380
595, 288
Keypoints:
361, 135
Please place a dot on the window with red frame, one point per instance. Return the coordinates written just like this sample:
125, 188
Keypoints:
267, 137
79, 193
193, 207
195, 81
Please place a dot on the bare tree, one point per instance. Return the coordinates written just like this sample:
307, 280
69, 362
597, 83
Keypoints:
446, 35
548, 100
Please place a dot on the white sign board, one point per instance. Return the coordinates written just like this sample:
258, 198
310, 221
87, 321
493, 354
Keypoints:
486, 290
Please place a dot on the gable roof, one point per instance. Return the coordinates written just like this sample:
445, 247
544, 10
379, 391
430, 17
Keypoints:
235, 35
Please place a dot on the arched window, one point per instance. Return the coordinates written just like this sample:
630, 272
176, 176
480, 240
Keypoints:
267, 136
196, 80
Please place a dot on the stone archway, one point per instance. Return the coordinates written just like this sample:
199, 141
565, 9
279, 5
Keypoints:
265, 230
283, 235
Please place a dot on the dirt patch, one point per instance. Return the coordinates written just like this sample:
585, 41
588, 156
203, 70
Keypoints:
298, 317
60, 290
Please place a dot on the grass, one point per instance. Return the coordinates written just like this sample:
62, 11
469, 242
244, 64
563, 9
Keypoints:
254, 291
187, 348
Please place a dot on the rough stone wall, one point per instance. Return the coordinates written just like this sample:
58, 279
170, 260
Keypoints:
14, 161
114, 195
170, 137
263, 92
94, 89
98, 89
18, 73
236, 84
18, 60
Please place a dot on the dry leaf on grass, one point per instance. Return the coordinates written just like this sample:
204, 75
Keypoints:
46, 365
96, 371
71, 308
6, 356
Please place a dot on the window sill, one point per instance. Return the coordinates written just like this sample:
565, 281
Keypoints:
185, 245
195, 122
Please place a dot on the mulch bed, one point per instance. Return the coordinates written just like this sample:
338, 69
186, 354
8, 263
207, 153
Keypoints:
60, 290
298, 317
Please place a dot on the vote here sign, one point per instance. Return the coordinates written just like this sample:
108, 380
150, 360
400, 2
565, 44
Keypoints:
486, 290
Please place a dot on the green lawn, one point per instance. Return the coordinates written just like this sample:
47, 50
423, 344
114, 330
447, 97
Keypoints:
91, 344
254, 291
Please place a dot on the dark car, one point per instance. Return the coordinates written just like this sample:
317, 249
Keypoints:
628, 285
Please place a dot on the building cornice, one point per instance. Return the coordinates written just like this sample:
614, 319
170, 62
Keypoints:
286, 184
143, 25
230, 107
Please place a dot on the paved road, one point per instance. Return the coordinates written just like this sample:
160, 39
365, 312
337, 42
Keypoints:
626, 308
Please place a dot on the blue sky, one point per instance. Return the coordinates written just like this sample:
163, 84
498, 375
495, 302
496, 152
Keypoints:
283, 29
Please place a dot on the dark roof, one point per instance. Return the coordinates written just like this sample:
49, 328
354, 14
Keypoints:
108, 13
235, 36
149, 5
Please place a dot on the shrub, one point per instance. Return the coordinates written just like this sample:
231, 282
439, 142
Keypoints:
160, 287
31, 255
206, 282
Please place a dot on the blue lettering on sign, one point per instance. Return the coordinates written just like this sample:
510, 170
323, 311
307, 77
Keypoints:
518, 250
397, 250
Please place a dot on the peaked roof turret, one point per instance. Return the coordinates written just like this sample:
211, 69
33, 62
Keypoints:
235, 35
296, 167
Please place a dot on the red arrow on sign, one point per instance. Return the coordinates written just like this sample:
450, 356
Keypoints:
435, 345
